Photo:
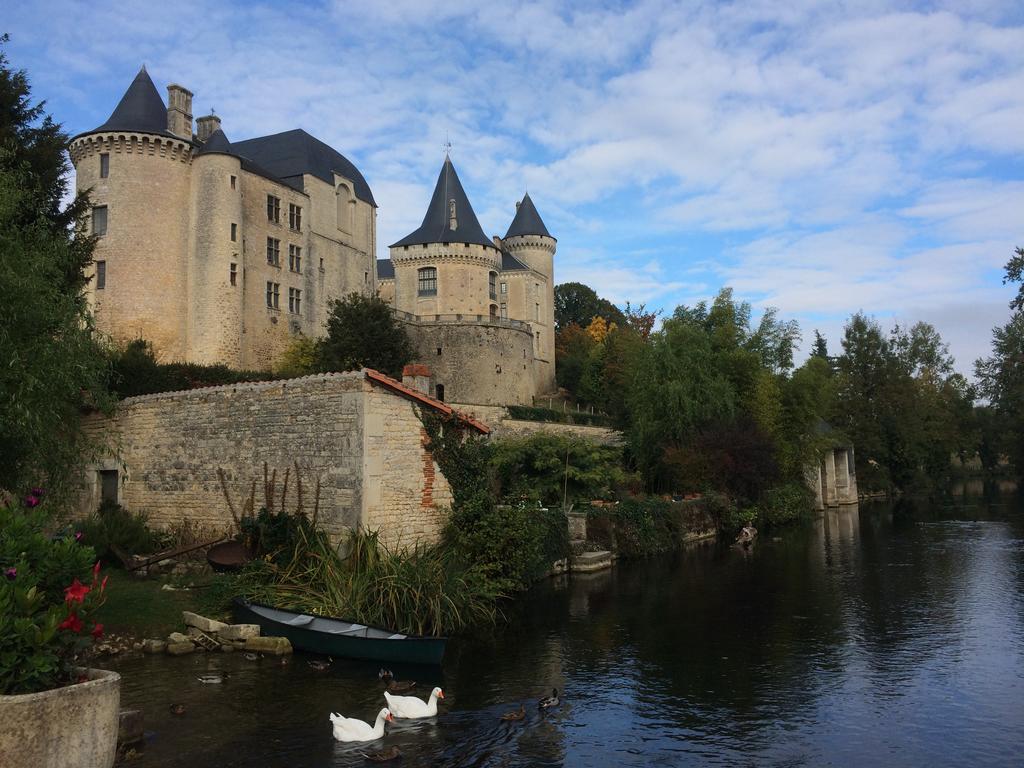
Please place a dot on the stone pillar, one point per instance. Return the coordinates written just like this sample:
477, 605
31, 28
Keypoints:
829, 489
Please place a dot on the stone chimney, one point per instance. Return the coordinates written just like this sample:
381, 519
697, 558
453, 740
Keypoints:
207, 126
416, 376
497, 241
179, 111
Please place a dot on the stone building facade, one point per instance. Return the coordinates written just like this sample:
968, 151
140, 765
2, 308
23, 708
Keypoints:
359, 433
225, 252
218, 252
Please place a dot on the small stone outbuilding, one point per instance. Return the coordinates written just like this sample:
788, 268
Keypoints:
359, 433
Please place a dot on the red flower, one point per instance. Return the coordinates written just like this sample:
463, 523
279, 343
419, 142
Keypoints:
97, 631
76, 592
72, 622
103, 584
96, 569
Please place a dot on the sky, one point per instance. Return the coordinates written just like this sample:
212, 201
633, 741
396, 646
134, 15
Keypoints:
819, 157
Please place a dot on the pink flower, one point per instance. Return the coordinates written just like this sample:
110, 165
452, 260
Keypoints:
38, 492
11, 573
76, 592
72, 622
31, 501
78, 535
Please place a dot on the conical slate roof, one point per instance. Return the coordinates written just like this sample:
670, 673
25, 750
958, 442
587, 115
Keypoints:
436, 224
141, 109
527, 221
216, 142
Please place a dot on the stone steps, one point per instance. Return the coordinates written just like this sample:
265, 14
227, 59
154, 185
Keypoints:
588, 562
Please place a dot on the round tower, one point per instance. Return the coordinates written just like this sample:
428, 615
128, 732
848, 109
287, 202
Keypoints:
139, 174
448, 266
529, 241
216, 277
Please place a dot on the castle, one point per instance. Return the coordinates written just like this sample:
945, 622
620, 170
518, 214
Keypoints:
226, 252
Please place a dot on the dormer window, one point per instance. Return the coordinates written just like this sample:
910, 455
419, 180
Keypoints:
453, 219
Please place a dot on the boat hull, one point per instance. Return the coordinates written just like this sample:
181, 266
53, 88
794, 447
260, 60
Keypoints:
407, 650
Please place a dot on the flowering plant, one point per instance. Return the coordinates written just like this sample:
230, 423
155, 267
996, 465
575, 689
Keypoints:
45, 608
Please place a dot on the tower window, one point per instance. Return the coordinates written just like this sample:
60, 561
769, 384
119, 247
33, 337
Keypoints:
294, 258
440, 392
104, 165
233, 181
101, 275
366, 278
99, 220
234, 274
273, 292
274, 209
294, 217
234, 233
427, 281
536, 311
294, 300
492, 279
504, 288
453, 219
273, 251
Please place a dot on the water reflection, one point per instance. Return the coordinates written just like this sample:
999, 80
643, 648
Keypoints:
879, 636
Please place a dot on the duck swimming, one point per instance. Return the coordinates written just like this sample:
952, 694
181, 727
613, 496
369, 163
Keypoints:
518, 714
382, 757
320, 665
213, 678
550, 701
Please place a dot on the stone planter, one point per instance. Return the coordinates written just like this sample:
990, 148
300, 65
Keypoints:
70, 727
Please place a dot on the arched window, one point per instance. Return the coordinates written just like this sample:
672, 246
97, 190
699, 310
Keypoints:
346, 204
494, 311
427, 281
492, 284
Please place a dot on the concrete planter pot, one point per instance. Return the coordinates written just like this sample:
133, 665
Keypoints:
70, 727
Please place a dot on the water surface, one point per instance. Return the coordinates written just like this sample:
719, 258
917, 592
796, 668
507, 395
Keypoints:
886, 636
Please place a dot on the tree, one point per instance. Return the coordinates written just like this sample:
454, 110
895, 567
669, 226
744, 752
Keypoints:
1015, 274
820, 346
1001, 381
52, 365
580, 304
362, 332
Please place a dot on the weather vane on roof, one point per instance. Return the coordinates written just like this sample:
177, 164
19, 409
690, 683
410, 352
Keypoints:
447, 144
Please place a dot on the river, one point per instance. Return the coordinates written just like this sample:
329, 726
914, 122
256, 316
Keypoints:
888, 635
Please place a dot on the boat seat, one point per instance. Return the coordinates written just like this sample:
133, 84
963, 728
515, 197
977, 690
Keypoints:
396, 637
298, 621
353, 630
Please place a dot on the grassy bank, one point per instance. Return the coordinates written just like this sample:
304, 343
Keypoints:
143, 608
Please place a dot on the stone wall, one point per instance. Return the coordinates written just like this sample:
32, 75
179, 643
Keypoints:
476, 363
497, 418
364, 443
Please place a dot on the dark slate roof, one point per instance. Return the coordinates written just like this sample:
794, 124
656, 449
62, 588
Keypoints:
294, 153
217, 142
434, 228
385, 269
527, 221
141, 109
510, 263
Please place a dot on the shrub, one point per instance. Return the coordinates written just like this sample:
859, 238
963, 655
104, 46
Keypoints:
45, 609
785, 504
137, 372
114, 526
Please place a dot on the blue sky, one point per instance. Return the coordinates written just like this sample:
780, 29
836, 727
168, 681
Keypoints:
822, 157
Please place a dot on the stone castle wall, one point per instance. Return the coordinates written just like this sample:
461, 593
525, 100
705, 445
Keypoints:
477, 363
497, 418
365, 445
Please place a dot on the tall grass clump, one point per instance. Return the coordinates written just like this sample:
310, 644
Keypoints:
416, 590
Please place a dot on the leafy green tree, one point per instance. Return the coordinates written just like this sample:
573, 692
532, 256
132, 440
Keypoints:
820, 346
1001, 381
52, 366
363, 332
545, 466
579, 304
1015, 274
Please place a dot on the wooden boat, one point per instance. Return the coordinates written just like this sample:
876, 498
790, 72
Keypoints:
338, 637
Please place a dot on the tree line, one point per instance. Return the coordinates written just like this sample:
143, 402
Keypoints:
713, 400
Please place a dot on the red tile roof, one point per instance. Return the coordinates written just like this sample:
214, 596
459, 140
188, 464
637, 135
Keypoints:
376, 377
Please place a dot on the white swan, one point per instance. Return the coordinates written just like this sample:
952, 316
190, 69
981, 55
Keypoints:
351, 729
411, 707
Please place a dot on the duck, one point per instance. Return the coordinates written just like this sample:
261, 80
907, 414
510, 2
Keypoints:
382, 757
213, 678
177, 709
351, 729
394, 685
549, 701
385, 674
411, 707
518, 714
320, 665
253, 656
